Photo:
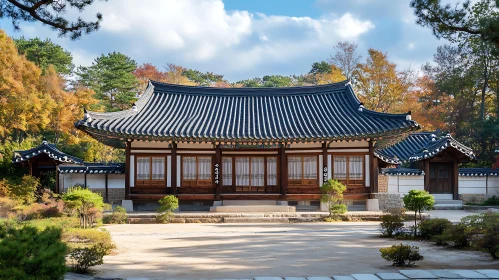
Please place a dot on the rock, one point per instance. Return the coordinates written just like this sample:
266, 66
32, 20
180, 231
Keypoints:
492, 210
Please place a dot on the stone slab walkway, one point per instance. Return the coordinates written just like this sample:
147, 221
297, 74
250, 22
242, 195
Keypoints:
410, 274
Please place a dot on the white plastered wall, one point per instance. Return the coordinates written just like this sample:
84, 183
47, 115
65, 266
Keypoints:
488, 185
403, 184
94, 181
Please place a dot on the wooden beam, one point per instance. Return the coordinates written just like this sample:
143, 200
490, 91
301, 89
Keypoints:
426, 169
218, 171
373, 169
127, 169
324, 163
174, 168
56, 179
85, 176
455, 180
106, 188
283, 164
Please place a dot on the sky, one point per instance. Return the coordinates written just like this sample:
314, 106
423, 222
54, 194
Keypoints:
242, 39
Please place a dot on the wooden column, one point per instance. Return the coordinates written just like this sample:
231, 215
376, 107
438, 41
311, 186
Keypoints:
85, 176
56, 179
174, 168
218, 169
455, 180
127, 169
373, 169
426, 169
106, 190
324, 163
283, 168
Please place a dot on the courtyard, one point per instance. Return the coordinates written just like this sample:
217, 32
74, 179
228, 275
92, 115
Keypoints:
210, 251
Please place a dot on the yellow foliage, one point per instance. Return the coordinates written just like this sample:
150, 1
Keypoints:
23, 106
334, 76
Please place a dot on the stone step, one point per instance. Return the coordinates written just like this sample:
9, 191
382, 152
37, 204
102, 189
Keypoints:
448, 206
256, 220
448, 201
356, 208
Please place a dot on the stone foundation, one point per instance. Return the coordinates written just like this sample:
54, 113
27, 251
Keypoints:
115, 195
472, 198
389, 200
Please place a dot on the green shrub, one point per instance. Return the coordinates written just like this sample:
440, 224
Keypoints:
491, 201
87, 205
61, 222
168, 204
87, 247
458, 235
26, 253
24, 190
433, 227
80, 259
119, 216
401, 255
489, 240
332, 193
392, 223
78, 237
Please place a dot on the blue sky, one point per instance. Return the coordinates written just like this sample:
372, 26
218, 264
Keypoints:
244, 39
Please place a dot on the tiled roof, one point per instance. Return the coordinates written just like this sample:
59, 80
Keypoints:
478, 172
421, 145
402, 171
168, 112
45, 148
93, 168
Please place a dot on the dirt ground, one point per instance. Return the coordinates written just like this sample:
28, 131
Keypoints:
209, 251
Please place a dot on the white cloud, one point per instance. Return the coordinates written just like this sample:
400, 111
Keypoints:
202, 31
202, 34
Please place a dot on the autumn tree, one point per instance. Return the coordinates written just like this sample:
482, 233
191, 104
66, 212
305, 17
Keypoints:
111, 77
51, 13
333, 76
23, 107
147, 72
174, 74
346, 58
380, 85
205, 79
44, 53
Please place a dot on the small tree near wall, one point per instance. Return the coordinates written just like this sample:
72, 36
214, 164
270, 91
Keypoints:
332, 194
87, 204
417, 201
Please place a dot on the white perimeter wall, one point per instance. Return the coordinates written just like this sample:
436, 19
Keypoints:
466, 185
403, 184
94, 181
479, 185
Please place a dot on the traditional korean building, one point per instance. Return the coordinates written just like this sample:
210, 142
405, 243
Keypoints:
436, 157
108, 179
206, 144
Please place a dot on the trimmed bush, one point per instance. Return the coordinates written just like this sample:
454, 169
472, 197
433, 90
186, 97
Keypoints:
119, 216
168, 204
489, 240
392, 223
80, 259
433, 227
401, 255
87, 247
26, 253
